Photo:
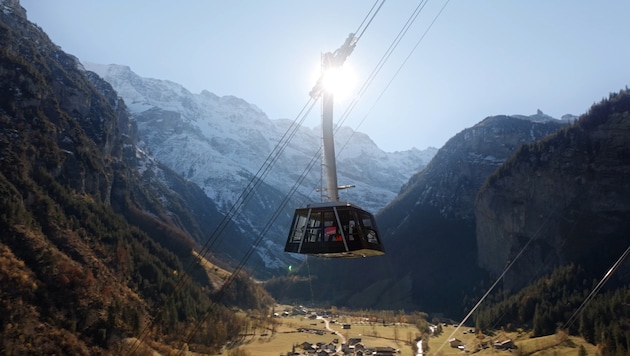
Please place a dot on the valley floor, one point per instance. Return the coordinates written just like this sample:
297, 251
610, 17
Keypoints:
288, 333
558, 344
402, 336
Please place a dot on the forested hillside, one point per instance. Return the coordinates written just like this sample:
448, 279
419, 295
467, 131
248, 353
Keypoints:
557, 301
90, 254
558, 214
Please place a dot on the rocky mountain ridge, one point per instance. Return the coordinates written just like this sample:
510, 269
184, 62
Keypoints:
237, 136
460, 167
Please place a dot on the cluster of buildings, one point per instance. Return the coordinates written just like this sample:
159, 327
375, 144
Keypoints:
354, 347
506, 344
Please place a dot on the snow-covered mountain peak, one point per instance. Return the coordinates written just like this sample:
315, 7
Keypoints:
234, 136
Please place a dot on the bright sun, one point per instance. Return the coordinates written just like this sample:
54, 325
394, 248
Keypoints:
339, 81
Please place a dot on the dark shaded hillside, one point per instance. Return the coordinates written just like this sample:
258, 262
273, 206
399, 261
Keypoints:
567, 197
429, 229
558, 212
92, 248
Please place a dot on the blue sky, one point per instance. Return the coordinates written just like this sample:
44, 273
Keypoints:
480, 58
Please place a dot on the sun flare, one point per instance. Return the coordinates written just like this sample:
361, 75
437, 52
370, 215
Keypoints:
339, 81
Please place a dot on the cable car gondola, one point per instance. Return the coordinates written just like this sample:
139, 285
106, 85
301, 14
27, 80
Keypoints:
333, 228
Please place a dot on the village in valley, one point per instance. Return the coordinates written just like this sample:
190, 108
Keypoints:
300, 331
345, 340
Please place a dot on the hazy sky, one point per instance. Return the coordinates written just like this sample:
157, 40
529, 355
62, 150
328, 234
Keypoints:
480, 58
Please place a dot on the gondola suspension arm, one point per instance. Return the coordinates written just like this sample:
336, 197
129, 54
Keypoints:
331, 61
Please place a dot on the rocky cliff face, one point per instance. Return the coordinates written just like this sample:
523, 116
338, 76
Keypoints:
565, 199
449, 184
57, 91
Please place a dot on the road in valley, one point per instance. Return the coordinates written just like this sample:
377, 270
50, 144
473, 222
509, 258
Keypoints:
343, 338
